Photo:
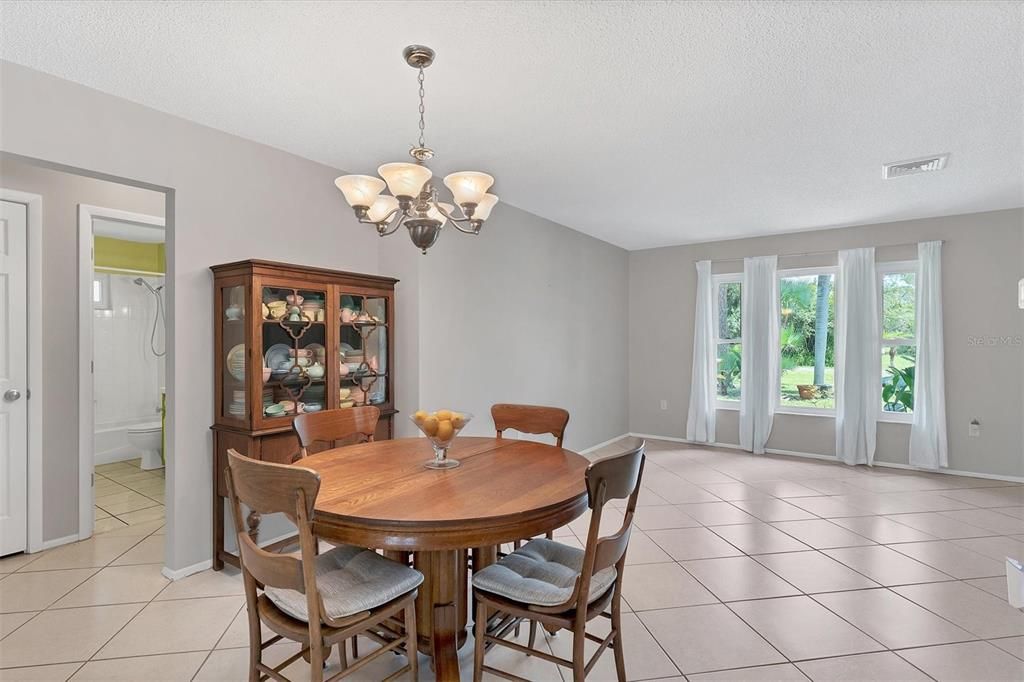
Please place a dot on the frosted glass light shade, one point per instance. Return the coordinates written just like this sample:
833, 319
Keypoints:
359, 190
434, 214
468, 187
484, 206
381, 207
405, 179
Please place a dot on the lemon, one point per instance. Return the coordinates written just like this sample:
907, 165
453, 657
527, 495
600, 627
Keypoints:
430, 426
445, 430
419, 416
458, 421
444, 415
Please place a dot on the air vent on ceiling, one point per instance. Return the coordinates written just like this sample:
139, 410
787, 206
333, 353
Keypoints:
914, 166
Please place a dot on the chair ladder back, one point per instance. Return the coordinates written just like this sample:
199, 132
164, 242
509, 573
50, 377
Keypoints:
277, 570
620, 475
611, 478
334, 425
534, 419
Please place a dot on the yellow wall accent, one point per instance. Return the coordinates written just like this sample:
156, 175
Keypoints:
121, 254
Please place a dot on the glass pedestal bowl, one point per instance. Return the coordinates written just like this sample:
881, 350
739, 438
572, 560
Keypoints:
441, 428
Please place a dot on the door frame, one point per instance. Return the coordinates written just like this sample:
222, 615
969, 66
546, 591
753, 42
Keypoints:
34, 392
86, 416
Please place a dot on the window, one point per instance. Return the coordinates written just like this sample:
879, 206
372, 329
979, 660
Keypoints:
101, 291
898, 325
730, 337
807, 339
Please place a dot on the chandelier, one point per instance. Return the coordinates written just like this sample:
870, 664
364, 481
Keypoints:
413, 201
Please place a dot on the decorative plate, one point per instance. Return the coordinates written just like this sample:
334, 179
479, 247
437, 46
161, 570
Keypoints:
275, 355
236, 361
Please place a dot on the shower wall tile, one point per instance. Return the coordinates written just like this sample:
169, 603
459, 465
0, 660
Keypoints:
127, 374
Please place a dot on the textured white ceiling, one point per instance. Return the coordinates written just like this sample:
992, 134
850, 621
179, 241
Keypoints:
643, 124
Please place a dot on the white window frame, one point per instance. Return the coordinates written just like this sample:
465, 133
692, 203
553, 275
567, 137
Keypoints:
780, 407
102, 281
716, 281
881, 270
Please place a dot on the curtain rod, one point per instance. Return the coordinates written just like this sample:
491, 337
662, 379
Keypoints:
822, 253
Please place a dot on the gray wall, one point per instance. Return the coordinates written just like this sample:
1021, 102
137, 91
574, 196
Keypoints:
61, 194
529, 311
983, 257
233, 199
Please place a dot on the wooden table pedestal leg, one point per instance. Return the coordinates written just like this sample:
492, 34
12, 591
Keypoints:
441, 609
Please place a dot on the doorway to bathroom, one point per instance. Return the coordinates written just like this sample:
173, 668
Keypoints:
123, 366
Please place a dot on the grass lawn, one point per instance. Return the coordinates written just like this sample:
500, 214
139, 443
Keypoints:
797, 376
801, 375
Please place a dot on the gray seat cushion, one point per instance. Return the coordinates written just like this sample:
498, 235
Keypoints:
542, 572
350, 580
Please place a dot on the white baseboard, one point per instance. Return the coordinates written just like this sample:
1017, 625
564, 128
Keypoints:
592, 448
57, 542
953, 472
180, 573
672, 439
832, 458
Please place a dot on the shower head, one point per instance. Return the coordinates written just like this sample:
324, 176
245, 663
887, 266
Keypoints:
143, 283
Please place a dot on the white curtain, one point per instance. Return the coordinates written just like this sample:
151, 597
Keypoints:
700, 421
759, 368
928, 433
858, 357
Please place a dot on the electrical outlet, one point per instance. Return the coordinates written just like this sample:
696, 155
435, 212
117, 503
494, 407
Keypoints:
664, 404
974, 428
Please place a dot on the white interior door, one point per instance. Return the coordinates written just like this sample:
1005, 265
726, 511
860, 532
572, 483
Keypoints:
13, 378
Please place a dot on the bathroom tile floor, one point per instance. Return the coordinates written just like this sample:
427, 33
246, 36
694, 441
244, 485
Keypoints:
127, 495
906, 583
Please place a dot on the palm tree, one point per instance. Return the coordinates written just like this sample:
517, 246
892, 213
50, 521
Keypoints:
821, 328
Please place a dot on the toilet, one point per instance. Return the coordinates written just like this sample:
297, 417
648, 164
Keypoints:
147, 439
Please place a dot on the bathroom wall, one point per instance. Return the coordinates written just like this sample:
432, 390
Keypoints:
127, 374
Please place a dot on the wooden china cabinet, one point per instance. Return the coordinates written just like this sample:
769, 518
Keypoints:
290, 339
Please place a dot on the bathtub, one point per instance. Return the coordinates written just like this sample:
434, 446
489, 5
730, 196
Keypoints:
110, 441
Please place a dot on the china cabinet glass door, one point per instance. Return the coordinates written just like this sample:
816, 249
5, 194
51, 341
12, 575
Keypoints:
294, 350
234, 380
363, 350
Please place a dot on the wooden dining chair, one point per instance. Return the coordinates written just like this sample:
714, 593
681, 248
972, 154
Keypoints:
533, 419
334, 425
560, 586
315, 600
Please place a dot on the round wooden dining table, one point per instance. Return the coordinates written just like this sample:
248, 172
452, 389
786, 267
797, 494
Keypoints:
380, 495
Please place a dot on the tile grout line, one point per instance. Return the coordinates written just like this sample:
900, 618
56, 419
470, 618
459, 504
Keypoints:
642, 624
206, 658
802, 593
83, 663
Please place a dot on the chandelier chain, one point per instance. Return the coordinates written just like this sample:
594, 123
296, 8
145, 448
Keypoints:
422, 107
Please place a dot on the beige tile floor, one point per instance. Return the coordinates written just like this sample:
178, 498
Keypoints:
740, 568
126, 495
